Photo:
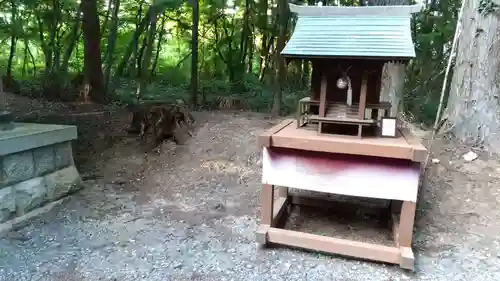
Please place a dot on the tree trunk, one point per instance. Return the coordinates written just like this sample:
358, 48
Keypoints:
306, 64
43, 44
33, 63
280, 61
56, 15
265, 58
92, 51
194, 55
251, 45
245, 34
106, 18
158, 45
113, 33
134, 66
25, 57
140, 55
262, 24
148, 52
306, 73
13, 40
132, 46
473, 106
73, 39
13, 44
392, 86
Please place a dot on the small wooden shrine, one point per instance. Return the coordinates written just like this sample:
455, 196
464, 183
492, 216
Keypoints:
348, 47
348, 52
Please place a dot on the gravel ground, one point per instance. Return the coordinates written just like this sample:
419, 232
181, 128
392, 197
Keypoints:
190, 213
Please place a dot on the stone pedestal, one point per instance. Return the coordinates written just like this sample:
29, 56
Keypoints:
36, 167
5, 120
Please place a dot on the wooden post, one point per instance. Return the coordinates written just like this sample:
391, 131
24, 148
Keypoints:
322, 97
376, 114
283, 192
267, 199
266, 212
406, 223
299, 115
405, 230
362, 98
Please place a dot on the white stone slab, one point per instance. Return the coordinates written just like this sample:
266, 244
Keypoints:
27, 136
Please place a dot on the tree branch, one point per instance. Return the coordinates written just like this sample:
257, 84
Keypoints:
183, 59
179, 22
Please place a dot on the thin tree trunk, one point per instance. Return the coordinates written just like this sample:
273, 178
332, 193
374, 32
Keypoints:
133, 44
194, 55
280, 62
45, 48
106, 18
133, 65
25, 57
306, 72
53, 36
158, 45
73, 39
245, 35
140, 55
265, 58
33, 63
147, 55
262, 23
12, 52
113, 33
13, 41
251, 45
437, 120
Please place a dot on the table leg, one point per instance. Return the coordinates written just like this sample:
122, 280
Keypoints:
405, 230
266, 212
299, 115
283, 192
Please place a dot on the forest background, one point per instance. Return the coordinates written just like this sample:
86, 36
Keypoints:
121, 48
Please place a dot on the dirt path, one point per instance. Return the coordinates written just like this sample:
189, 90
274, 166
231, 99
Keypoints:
191, 212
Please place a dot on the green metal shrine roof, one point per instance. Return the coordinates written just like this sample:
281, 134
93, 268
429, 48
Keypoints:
370, 31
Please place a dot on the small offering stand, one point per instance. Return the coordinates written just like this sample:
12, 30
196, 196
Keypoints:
344, 140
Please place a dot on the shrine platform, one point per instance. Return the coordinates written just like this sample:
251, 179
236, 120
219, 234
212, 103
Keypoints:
378, 168
287, 135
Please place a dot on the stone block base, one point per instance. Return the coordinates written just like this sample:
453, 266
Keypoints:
37, 167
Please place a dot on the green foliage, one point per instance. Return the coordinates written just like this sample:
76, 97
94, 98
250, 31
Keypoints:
487, 7
230, 45
157, 90
434, 29
168, 4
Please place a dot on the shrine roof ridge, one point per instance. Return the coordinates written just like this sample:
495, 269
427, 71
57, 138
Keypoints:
324, 11
378, 32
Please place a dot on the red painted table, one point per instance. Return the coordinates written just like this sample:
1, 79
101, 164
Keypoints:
395, 179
